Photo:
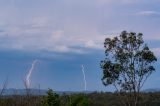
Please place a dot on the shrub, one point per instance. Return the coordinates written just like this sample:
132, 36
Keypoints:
51, 99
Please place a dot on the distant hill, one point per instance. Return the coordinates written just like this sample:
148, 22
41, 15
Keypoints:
13, 91
152, 90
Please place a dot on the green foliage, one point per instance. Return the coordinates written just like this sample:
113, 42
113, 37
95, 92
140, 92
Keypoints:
79, 100
52, 99
5, 102
93, 99
128, 63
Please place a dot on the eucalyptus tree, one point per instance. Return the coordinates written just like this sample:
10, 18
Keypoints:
127, 65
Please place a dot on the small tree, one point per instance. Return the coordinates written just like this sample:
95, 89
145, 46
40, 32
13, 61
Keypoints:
52, 99
4, 87
128, 64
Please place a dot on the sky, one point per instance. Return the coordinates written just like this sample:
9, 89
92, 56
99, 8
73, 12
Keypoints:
65, 34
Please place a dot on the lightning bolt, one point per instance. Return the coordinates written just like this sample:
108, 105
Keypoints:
27, 81
84, 78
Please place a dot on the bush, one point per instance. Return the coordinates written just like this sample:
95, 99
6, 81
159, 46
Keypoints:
51, 99
79, 100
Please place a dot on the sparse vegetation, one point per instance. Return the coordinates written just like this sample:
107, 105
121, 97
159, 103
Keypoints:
92, 99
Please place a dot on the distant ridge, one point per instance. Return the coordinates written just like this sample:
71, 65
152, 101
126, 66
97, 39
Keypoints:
151, 90
13, 91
